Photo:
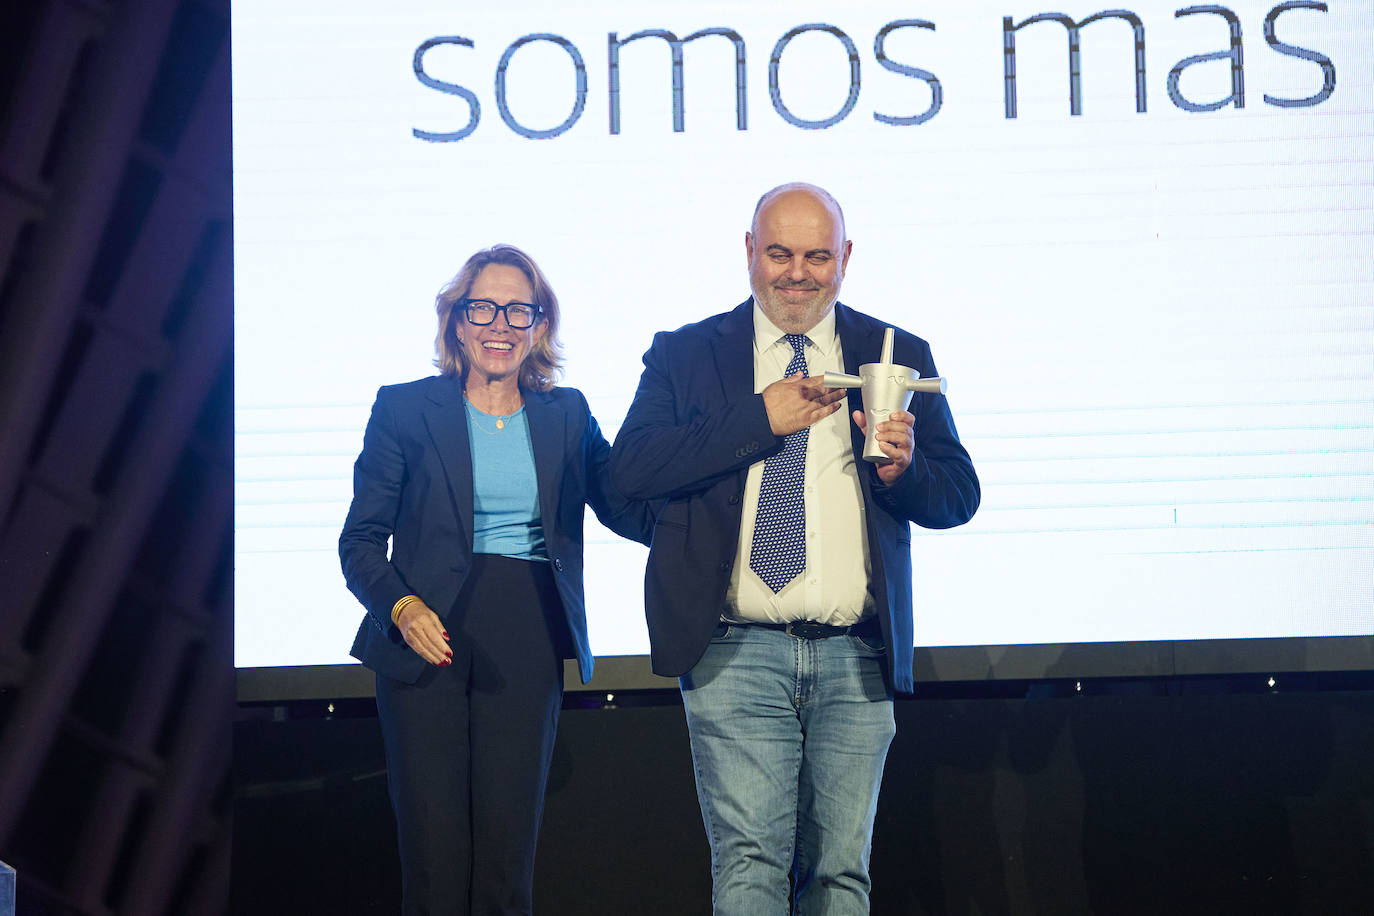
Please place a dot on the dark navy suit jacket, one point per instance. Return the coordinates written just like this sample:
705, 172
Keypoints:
695, 427
412, 484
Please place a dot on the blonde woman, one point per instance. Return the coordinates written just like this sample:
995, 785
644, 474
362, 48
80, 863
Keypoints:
477, 477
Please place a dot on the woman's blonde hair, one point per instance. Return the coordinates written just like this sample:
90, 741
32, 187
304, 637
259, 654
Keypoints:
545, 361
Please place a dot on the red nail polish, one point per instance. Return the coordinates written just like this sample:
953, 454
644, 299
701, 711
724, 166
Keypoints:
446, 634
445, 663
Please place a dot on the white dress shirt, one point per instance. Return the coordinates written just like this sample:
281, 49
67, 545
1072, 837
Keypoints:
834, 586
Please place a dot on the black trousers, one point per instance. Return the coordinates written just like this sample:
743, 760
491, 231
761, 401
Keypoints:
468, 746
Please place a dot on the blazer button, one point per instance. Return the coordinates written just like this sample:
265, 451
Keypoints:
557, 564
725, 567
734, 500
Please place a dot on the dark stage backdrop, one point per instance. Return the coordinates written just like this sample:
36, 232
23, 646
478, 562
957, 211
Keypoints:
1142, 798
116, 387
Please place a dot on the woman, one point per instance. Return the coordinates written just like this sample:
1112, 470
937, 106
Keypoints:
478, 478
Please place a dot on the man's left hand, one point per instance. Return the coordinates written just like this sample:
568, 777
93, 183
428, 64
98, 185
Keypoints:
897, 440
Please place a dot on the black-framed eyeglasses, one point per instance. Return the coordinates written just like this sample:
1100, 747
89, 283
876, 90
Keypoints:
519, 315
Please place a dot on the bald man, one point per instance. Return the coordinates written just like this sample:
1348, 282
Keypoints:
778, 588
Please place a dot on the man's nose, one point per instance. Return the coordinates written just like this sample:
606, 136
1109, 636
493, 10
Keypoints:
798, 269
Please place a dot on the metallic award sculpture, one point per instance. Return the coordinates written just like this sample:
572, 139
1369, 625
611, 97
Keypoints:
886, 387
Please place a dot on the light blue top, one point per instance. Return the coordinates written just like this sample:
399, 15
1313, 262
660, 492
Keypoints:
505, 493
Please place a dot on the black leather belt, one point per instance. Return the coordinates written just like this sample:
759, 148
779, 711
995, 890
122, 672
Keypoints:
810, 629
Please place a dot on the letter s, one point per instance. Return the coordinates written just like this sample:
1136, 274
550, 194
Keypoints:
936, 93
1328, 68
474, 107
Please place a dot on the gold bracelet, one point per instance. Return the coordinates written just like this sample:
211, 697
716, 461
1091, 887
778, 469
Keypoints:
401, 606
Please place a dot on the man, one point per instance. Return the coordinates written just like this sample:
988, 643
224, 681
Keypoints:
778, 585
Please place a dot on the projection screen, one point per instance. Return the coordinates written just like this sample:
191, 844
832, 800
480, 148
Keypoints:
1138, 240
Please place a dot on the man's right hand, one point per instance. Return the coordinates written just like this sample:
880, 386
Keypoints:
424, 632
797, 401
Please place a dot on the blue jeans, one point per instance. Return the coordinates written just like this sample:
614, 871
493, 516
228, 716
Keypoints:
789, 737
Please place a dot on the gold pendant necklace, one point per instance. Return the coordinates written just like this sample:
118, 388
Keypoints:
500, 421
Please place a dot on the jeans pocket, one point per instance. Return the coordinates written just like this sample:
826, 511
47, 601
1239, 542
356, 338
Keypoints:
721, 631
872, 642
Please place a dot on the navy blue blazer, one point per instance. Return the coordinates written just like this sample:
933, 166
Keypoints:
412, 485
694, 429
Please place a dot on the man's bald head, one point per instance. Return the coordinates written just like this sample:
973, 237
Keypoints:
819, 193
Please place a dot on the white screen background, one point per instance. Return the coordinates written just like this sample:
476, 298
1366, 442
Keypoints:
1158, 327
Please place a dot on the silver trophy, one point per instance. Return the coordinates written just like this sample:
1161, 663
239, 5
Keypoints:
886, 387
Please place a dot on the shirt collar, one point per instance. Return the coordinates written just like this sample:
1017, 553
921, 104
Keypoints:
822, 336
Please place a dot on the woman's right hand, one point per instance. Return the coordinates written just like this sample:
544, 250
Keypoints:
424, 632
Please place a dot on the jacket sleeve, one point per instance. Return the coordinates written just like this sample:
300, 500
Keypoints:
378, 475
669, 447
629, 518
940, 489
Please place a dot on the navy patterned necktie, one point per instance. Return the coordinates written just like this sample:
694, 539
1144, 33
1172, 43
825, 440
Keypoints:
778, 554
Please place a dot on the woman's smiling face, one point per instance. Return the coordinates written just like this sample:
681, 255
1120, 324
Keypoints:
496, 351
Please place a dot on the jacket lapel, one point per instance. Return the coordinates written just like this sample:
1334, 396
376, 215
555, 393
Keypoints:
547, 424
733, 349
447, 423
